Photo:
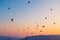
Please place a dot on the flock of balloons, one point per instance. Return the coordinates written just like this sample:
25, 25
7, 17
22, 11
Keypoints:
12, 20
10, 8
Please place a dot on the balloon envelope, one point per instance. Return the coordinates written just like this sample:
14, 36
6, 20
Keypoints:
43, 26
8, 7
45, 17
23, 29
54, 23
28, 2
40, 30
37, 25
28, 28
51, 9
11, 19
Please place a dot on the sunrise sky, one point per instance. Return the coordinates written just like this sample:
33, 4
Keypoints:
28, 16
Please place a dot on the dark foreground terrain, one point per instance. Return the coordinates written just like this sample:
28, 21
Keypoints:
41, 37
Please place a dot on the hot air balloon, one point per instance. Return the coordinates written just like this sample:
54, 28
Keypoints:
45, 17
28, 28
32, 33
37, 25
12, 20
43, 26
54, 23
8, 8
28, 2
40, 30
51, 9
23, 29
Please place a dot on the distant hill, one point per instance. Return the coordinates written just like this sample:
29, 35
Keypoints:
8, 38
39, 37
43, 37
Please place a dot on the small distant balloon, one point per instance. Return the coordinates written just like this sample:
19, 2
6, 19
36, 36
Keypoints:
40, 30
45, 17
54, 23
23, 29
51, 9
32, 33
8, 8
37, 25
28, 28
28, 2
12, 20
43, 26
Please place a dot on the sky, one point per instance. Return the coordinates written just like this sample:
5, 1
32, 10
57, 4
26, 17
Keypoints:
27, 16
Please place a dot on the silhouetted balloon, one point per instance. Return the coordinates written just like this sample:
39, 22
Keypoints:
51, 9
9, 8
28, 28
28, 2
43, 26
54, 23
12, 20
37, 25
45, 17
40, 30
23, 29
32, 33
